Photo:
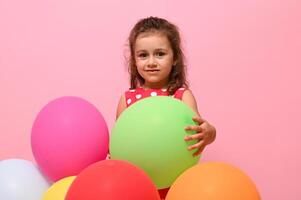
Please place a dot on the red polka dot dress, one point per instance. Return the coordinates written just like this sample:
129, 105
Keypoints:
131, 96
134, 95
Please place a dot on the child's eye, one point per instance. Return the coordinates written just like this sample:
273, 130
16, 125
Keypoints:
160, 54
142, 55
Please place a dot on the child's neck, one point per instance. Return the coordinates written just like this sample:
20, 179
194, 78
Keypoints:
153, 87
156, 86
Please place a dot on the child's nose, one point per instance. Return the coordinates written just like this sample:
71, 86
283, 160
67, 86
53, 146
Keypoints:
152, 62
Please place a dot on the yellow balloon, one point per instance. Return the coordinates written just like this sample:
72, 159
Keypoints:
59, 189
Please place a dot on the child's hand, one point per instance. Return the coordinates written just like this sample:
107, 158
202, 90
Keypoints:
205, 135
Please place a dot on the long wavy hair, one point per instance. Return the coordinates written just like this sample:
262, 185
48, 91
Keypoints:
177, 76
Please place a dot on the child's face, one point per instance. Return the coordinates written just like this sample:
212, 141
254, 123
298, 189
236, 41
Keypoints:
154, 59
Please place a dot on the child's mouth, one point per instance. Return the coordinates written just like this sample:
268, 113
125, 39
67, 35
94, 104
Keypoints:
153, 70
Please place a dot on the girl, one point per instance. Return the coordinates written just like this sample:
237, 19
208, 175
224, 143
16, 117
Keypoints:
156, 67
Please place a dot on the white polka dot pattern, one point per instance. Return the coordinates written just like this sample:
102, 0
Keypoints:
154, 94
134, 95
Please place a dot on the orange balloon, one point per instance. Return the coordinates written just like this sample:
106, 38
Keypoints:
213, 181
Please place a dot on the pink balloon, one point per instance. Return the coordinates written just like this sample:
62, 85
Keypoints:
68, 134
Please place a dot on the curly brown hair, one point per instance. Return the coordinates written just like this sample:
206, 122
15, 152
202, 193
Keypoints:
177, 77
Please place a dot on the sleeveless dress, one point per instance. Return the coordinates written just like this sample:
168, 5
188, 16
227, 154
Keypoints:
131, 96
134, 95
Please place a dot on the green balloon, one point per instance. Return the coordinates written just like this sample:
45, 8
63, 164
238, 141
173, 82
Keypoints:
150, 134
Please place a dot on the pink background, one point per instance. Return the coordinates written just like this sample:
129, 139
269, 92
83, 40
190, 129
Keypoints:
244, 69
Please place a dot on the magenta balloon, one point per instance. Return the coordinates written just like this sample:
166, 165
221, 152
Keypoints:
68, 134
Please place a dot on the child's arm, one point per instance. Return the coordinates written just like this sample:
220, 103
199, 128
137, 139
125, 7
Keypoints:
189, 99
206, 133
121, 106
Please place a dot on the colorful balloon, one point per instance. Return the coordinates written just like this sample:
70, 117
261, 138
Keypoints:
59, 189
68, 135
21, 179
112, 180
213, 181
150, 134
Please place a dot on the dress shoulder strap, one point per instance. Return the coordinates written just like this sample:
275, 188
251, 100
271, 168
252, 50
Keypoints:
179, 93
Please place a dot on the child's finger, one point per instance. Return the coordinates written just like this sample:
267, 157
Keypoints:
199, 151
197, 145
198, 119
194, 128
198, 136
